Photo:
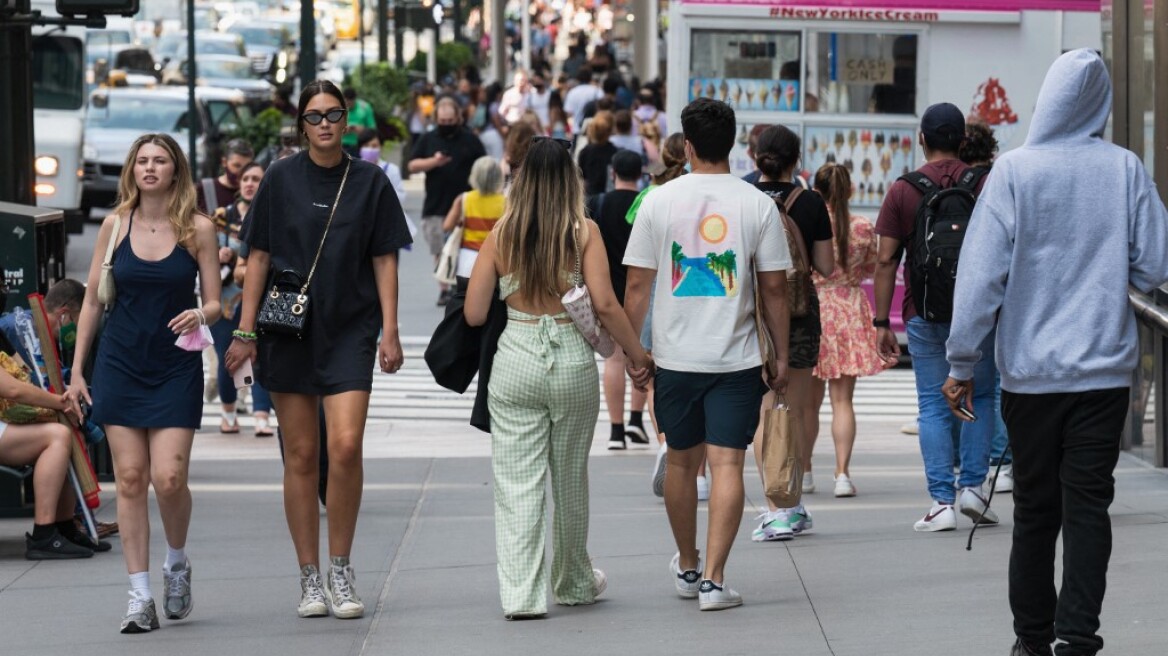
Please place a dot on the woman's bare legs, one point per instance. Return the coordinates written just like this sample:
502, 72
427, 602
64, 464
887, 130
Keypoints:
345, 417
843, 421
47, 447
299, 420
130, 449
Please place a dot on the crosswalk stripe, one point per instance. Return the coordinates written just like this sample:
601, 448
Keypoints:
412, 395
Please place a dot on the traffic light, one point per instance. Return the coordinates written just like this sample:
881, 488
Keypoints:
97, 7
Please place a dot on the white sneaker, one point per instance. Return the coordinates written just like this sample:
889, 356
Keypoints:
775, 527
703, 488
659, 472
808, 482
974, 506
687, 582
1004, 482
312, 598
844, 487
339, 586
599, 583
911, 428
939, 518
717, 597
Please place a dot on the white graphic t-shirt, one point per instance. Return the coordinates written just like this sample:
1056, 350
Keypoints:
703, 234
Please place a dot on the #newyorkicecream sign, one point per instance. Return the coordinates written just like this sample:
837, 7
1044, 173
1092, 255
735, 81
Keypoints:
896, 11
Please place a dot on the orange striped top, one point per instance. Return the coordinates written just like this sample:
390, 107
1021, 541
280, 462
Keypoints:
482, 212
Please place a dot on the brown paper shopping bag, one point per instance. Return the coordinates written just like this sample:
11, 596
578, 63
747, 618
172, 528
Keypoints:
782, 471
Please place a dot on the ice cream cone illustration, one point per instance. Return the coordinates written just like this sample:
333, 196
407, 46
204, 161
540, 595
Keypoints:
695, 89
710, 90
725, 89
749, 94
789, 95
737, 94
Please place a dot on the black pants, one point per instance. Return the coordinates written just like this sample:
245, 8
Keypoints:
1065, 450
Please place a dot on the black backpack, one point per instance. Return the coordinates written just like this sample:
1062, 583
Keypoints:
941, 223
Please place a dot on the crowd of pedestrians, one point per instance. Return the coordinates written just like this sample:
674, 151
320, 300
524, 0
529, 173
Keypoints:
678, 257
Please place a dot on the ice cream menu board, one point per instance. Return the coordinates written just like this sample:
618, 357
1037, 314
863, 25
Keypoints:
771, 95
875, 157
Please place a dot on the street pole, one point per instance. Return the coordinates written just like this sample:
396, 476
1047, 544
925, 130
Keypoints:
431, 36
361, 30
192, 107
498, 40
525, 23
399, 21
16, 172
383, 30
307, 61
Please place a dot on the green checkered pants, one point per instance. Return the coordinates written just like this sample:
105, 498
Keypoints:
544, 398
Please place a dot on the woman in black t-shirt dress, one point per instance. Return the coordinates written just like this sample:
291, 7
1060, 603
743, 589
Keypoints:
353, 296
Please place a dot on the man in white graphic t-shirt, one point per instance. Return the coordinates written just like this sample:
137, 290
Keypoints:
699, 239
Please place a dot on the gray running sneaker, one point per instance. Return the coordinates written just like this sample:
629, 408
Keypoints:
343, 599
312, 599
177, 603
141, 616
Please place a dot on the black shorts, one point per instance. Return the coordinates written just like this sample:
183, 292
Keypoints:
718, 409
804, 338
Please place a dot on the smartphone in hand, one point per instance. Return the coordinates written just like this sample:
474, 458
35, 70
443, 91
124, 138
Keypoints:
243, 376
965, 412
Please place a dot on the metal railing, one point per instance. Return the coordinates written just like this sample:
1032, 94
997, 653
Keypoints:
1151, 374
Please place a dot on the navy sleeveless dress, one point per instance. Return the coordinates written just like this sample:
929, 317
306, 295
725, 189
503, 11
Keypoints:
141, 379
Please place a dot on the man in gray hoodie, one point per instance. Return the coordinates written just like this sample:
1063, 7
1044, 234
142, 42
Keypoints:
1064, 225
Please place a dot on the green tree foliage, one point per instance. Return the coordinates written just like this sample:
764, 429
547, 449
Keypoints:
388, 90
261, 131
450, 57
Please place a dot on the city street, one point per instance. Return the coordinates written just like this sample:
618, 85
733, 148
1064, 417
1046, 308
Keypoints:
862, 583
838, 92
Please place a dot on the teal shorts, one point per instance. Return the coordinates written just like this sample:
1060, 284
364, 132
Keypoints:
719, 409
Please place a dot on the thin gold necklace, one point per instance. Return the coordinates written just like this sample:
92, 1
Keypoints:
152, 229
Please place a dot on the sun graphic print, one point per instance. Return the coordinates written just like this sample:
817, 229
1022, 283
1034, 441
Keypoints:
704, 259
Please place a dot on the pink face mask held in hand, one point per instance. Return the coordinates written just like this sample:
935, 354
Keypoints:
196, 340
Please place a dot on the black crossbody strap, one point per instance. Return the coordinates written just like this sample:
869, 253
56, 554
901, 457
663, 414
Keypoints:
332, 213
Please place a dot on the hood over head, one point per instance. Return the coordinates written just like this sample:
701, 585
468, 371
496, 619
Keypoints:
1074, 102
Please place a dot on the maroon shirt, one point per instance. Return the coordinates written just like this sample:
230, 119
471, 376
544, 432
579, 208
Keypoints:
898, 213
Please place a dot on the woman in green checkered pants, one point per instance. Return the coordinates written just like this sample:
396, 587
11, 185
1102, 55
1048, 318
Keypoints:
544, 393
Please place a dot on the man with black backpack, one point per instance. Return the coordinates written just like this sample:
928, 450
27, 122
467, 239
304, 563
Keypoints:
925, 216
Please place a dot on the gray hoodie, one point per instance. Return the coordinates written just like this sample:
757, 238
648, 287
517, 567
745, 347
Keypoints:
1064, 224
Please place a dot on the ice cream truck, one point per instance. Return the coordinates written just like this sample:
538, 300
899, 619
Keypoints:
852, 77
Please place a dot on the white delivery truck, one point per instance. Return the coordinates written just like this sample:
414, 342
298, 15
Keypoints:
853, 77
58, 73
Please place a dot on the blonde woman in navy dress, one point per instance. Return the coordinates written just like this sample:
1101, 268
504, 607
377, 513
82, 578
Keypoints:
148, 392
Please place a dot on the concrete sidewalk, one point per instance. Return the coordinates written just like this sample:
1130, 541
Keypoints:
863, 583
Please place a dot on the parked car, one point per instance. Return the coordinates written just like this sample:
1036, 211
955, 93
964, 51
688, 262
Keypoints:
271, 47
291, 22
118, 116
174, 44
224, 71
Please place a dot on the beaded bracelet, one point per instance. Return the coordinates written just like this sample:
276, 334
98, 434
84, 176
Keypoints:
243, 335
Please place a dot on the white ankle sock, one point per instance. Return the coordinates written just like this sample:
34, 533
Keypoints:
230, 417
174, 557
140, 585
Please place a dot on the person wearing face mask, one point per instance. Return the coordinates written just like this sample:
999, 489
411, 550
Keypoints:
214, 193
229, 222
446, 156
370, 151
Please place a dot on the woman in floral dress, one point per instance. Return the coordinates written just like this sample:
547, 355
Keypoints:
848, 347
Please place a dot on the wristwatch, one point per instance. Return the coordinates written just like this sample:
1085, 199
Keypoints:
881, 323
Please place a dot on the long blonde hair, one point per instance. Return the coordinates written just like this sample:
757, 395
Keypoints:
181, 207
535, 236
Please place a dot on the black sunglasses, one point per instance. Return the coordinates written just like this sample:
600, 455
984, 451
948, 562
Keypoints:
333, 116
566, 143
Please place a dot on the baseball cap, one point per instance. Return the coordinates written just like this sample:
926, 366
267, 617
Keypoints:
626, 165
943, 123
